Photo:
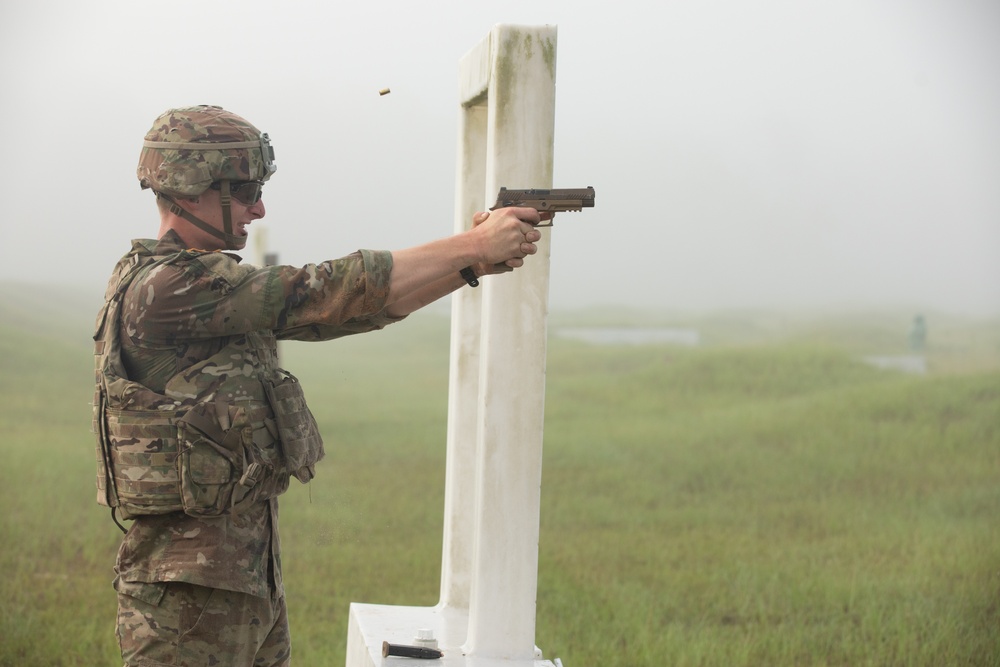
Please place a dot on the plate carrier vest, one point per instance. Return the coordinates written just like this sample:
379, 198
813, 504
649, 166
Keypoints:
208, 454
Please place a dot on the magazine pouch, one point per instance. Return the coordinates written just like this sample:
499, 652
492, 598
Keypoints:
298, 434
140, 448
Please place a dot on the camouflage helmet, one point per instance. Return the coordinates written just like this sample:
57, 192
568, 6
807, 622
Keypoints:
189, 148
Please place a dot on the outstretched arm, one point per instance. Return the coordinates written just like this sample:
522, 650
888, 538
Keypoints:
498, 241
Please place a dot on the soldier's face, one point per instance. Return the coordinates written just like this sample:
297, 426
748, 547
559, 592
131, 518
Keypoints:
209, 208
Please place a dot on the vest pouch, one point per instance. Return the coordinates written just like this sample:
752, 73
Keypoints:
298, 435
141, 447
210, 465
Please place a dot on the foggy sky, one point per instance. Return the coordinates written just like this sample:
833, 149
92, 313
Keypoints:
836, 153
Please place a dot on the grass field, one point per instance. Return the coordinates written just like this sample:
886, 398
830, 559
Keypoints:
765, 499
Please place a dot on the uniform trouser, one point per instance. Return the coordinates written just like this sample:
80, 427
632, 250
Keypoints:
184, 625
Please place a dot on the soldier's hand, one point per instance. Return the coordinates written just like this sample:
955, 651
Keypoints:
507, 236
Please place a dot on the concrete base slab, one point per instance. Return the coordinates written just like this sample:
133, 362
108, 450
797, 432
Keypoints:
370, 624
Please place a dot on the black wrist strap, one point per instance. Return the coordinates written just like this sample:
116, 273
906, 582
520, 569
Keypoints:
470, 276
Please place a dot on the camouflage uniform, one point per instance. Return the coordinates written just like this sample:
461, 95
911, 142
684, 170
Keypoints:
182, 308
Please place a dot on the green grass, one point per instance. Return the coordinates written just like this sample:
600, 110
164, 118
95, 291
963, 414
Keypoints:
764, 500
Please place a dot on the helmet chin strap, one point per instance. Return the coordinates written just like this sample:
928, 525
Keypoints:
232, 241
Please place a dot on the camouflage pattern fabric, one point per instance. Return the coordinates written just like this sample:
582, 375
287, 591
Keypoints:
238, 552
187, 172
192, 626
176, 316
179, 315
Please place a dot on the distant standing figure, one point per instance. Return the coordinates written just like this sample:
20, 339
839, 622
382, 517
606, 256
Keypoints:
918, 334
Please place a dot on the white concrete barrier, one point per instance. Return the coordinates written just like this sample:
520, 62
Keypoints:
486, 613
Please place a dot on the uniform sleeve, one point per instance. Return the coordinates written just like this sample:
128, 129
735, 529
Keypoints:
335, 315
212, 295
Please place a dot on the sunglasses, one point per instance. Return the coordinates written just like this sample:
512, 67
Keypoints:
247, 193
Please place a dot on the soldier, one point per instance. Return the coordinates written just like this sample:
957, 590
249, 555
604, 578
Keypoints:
198, 429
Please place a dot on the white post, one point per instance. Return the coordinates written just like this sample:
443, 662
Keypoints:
463, 384
489, 571
520, 100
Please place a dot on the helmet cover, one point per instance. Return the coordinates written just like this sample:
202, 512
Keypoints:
189, 148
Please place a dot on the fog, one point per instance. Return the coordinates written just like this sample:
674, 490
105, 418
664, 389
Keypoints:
768, 154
